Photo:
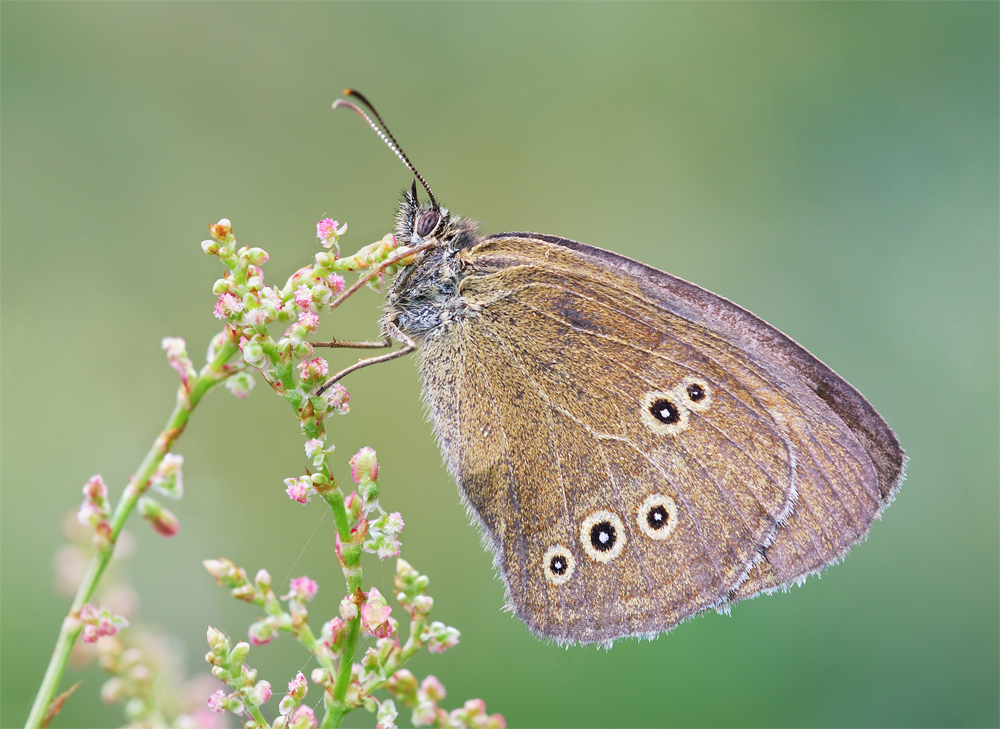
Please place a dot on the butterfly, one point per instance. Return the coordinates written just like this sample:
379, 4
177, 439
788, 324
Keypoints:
634, 449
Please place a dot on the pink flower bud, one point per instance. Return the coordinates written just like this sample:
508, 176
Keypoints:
217, 701
260, 633
394, 523
387, 715
168, 478
336, 283
370, 660
440, 637
427, 713
375, 615
348, 610
387, 547
95, 488
256, 256
262, 580
225, 572
163, 521
255, 317
364, 466
325, 230
303, 297
422, 605
217, 641
261, 693
475, 707
335, 399
302, 589
302, 717
298, 687
431, 689
332, 630
95, 506
309, 319
299, 489
177, 357
99, 622
228, 306
313, 369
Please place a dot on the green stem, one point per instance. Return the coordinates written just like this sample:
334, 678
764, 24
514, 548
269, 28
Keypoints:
350, 553
256, 714
210, 375
412, 645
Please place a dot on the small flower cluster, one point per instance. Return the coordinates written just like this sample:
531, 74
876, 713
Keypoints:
289, 366
328, 233
375, 614
168, 478
382, 537
423, 699
147, 678
99, 622
248, 694
177, 357
380, 665
146, 672
162, 520
95, 507
247, 306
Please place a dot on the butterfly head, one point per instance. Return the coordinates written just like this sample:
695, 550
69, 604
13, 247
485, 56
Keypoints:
416, 223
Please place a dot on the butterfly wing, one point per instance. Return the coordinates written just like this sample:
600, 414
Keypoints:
636, 449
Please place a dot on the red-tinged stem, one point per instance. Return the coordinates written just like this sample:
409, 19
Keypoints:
210, 375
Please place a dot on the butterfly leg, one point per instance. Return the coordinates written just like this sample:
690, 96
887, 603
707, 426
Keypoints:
408, 346
354, 345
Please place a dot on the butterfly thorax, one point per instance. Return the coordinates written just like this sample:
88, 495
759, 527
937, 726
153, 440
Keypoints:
424, 296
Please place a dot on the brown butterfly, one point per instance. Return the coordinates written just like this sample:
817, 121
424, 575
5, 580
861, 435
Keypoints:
634, 449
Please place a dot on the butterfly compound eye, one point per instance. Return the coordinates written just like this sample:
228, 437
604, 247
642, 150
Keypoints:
427, 222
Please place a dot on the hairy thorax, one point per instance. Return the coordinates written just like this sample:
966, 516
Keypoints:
425, 295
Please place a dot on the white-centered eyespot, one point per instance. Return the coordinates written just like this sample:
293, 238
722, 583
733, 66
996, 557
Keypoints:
665, 412
603, 536
695, 393
657, 517
559, 564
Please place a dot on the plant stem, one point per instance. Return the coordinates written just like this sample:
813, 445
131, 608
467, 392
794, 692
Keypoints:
210, 375
350, 553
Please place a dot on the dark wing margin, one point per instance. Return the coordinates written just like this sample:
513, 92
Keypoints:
718, 313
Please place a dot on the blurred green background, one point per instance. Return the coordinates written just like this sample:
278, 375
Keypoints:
832, 167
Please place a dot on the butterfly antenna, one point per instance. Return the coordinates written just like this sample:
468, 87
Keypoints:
383, 133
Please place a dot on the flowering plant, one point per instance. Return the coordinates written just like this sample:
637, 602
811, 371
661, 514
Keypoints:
289, 366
